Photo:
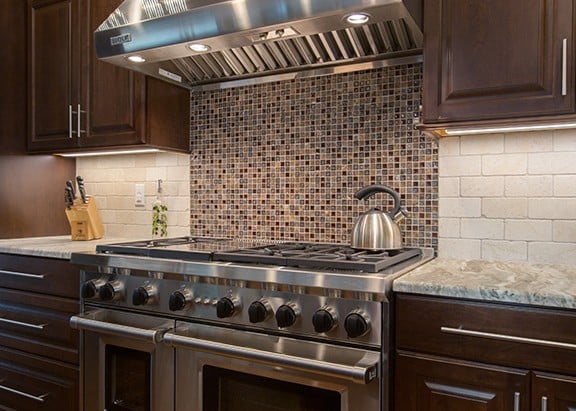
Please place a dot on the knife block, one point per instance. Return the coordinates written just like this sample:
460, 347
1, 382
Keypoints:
84, 219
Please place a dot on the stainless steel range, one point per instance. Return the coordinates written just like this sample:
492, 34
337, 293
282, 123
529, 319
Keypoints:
205, 324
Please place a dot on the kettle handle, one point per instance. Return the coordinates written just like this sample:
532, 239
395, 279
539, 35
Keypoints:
368, 191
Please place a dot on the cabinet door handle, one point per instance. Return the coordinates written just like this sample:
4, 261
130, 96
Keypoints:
18, 274
80, 112
70, 132
564, 66
39, 398
516, 401
504, 337
544, 406
23, 324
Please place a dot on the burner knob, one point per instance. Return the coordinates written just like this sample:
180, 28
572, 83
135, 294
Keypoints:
324, 320
143, 295
356, 325
259, 311
180, 300
111, 291
226, 307
91, 289
286, 315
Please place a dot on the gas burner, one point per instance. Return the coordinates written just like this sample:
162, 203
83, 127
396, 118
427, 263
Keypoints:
319, 256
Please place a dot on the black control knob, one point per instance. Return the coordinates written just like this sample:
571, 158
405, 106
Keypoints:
179, 300
111, 291
286, 316
356, 325
140, 296
89, 290
259, 311
225, 307
323, 320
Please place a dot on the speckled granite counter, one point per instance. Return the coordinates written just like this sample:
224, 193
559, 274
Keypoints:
534, 284
53, 247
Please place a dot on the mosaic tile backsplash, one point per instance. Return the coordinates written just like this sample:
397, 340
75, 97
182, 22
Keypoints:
282, 161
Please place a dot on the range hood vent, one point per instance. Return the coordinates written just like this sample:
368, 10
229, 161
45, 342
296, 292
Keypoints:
245, 39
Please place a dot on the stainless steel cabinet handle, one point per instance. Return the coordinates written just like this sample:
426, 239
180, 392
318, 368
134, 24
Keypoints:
564, 67
516, 401
70, 132
24, 394
544, 406
358, 373
82, 323
80, 112
23, 324
18, 274
504, 337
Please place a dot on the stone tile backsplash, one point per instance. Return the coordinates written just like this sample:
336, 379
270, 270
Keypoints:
509, 197
282, 160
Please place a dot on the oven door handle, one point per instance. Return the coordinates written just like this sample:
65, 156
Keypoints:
362, 372
87, 322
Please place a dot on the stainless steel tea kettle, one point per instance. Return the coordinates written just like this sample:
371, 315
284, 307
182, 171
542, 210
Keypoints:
377, 230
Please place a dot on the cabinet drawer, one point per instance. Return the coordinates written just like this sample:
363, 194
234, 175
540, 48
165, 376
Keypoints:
30, 383
39, 324
538, 338
43, 275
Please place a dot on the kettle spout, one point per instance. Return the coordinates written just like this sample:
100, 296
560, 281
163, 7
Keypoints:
401, 215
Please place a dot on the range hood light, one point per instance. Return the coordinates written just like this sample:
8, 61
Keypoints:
507, 129
357, 18
199, 48
109, 153
136, 59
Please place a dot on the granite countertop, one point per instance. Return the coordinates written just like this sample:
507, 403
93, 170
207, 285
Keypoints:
523, 283
54, 247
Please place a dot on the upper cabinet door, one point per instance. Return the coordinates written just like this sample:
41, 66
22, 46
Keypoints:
113, 98
53, 92
494, 59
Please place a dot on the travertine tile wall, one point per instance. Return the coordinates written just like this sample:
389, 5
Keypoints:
111, 180
509, 197
282, 161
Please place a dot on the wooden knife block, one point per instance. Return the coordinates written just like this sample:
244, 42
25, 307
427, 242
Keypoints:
84, 219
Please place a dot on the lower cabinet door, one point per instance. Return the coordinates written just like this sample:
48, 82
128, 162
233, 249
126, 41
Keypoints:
426, 383
32, 383
553, 392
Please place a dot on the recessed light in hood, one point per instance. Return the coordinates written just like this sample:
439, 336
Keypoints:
255, 38
357, 18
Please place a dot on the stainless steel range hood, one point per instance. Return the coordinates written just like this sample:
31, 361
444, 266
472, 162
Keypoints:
247, 39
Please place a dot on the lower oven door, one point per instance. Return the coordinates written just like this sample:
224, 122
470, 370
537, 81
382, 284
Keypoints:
220, 369
125, 366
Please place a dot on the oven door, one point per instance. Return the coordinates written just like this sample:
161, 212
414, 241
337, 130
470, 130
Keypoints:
125, 366
221, 369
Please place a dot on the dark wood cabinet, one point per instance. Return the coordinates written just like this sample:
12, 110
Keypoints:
39, 351
494, 59
77, 101
459, 354
442, 384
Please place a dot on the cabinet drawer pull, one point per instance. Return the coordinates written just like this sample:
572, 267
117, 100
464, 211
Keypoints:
24, 394
516, 401
504, 337
27, 275
22, 324
544, 406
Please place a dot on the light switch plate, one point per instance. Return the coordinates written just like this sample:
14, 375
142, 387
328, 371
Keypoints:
139, 198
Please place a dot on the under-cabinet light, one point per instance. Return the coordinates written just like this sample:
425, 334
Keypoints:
507, 129
109, 153
357, 18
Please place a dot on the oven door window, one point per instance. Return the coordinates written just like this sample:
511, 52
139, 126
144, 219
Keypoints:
226, 390
127, 379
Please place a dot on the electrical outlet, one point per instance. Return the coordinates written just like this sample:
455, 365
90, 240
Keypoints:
139, 198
